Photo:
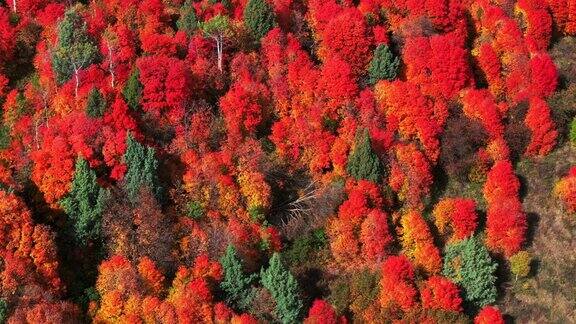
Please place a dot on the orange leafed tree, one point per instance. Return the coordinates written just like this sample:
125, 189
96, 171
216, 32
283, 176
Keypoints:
565, 189
418, 243
455, 218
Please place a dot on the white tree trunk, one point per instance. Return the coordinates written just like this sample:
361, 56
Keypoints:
14, 5
111, 66
77, 78
219, 46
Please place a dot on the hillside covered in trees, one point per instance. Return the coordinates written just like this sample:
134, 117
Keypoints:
287, 161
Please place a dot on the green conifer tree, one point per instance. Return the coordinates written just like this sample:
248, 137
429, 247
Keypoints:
3, 311
468, 264
142, 169
259, 18
384, 65
363, 163
236, 285
187, 21
132, 91
84, 204
96, 104
284, 289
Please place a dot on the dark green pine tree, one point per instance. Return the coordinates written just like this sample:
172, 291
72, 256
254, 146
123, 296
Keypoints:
132, 91
96, 104
363, 163
84, 204
469, 265
284, 289
142, 169
384, 65
75, 50
259, 18
236, 284
187, 21
3, 311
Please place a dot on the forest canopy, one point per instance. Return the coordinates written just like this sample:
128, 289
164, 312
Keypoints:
283, 161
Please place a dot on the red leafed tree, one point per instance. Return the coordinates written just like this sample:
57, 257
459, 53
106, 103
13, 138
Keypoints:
166, 84
489, 315
411, 175
480, 105
439, 64
46, 311
54, 158
244, 108
29, 274
491, 66
273, 48
53, 169
337, 85
191, 296
152, 278
441, 293
501, 183
564, 14
347, 36
411, 114
117, 47
29, 244
455, 217
445, 14
375, 236
360, 230
506, 222
7, 37
544, 76
154, 43
320, 13
117, 122
321, 312
539, 121
538, 24
200, 58
396, 284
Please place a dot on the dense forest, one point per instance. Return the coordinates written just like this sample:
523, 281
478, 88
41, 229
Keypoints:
287, 161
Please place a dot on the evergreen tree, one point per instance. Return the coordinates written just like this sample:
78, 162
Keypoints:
284, 289
468, 264
3, 311
363, 163
142, 169
96, 105
132, 91
236, 285
384, 65
75, 50
84, 204
572, 133
187, 21
259, 18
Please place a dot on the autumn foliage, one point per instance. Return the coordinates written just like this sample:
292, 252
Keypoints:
506, 222
356, 156
565, 189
